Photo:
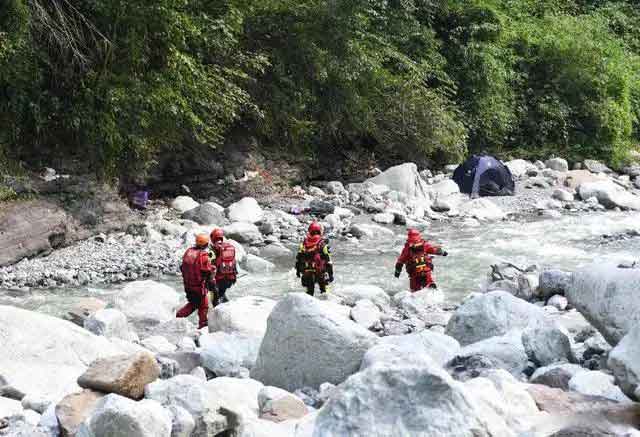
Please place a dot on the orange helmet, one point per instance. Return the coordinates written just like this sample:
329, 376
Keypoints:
315, 228
217, 235
413, 236
202, 240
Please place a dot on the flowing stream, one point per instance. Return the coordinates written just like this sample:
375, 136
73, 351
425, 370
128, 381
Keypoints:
566, 243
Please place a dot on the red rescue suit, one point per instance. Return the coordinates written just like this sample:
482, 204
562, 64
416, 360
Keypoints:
313, 263
418, 263
197, 272
223, 256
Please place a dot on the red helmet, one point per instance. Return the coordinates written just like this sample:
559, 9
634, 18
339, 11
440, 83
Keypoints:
315, 228
217, 235
413, 236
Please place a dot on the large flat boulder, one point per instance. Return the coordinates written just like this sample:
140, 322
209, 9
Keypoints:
31, 228
491, 314
403, 178
608, 297
44, 355
306, 345
624, 362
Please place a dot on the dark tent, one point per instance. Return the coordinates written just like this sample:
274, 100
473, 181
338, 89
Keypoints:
484, 175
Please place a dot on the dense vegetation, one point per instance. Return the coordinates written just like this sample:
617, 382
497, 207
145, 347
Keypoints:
114, 82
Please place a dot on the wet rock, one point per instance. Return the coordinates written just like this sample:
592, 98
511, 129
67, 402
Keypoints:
74, 409
243, 232
184, 204
503, 352
109, 323
424, 346
624, 361
115, 414
147, 303
125, 375
374, 403
556, 375
327, 347
557, 164
547, 345
596, 383
245, 210
607, 297
229, 354
365, 313
492, 314
44, 355
205, 214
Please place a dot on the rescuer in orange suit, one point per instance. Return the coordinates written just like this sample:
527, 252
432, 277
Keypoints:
416, 256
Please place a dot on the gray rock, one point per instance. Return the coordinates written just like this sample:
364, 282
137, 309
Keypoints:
158, 344
553, 282
559, 302
624, 361
36, 403
109, 323
228, 354
125, 375
245, 210
187, 361
411, 400
503, 352
403, 178
335, 187
492, 314
184, 204
547, 345
244, 232
424, 346
174, 330
527, 286
326, 348
595, 166
609, 194
255, 264
365, 313
182, 422
607, 296
115, 415
596, 383
562, 195
321, 207
557, 164
556, 375
205, 214
147, 303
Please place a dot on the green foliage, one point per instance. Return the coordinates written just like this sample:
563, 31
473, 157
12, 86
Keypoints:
114, 83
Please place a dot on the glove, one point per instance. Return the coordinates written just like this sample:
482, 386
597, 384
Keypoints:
444, 253
396, 274
298, 273
330, 278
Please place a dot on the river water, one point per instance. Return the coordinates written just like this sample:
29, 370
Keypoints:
566, 243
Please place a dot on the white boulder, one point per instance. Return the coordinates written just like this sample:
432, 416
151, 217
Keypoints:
596, 383
240, 396
557, 164
109, 323
246, 315
482, 209
116, 415
255, 264
491, 314
624, 361
44, 355
147, 303
366, 314
350, 294
384, 218
608, 298
547, 344
229, 354
243, 232
184, 203
326, 347
245, 210
503, 352
609, 194
403, 178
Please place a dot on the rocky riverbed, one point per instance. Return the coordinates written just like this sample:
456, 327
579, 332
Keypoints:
535, 326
